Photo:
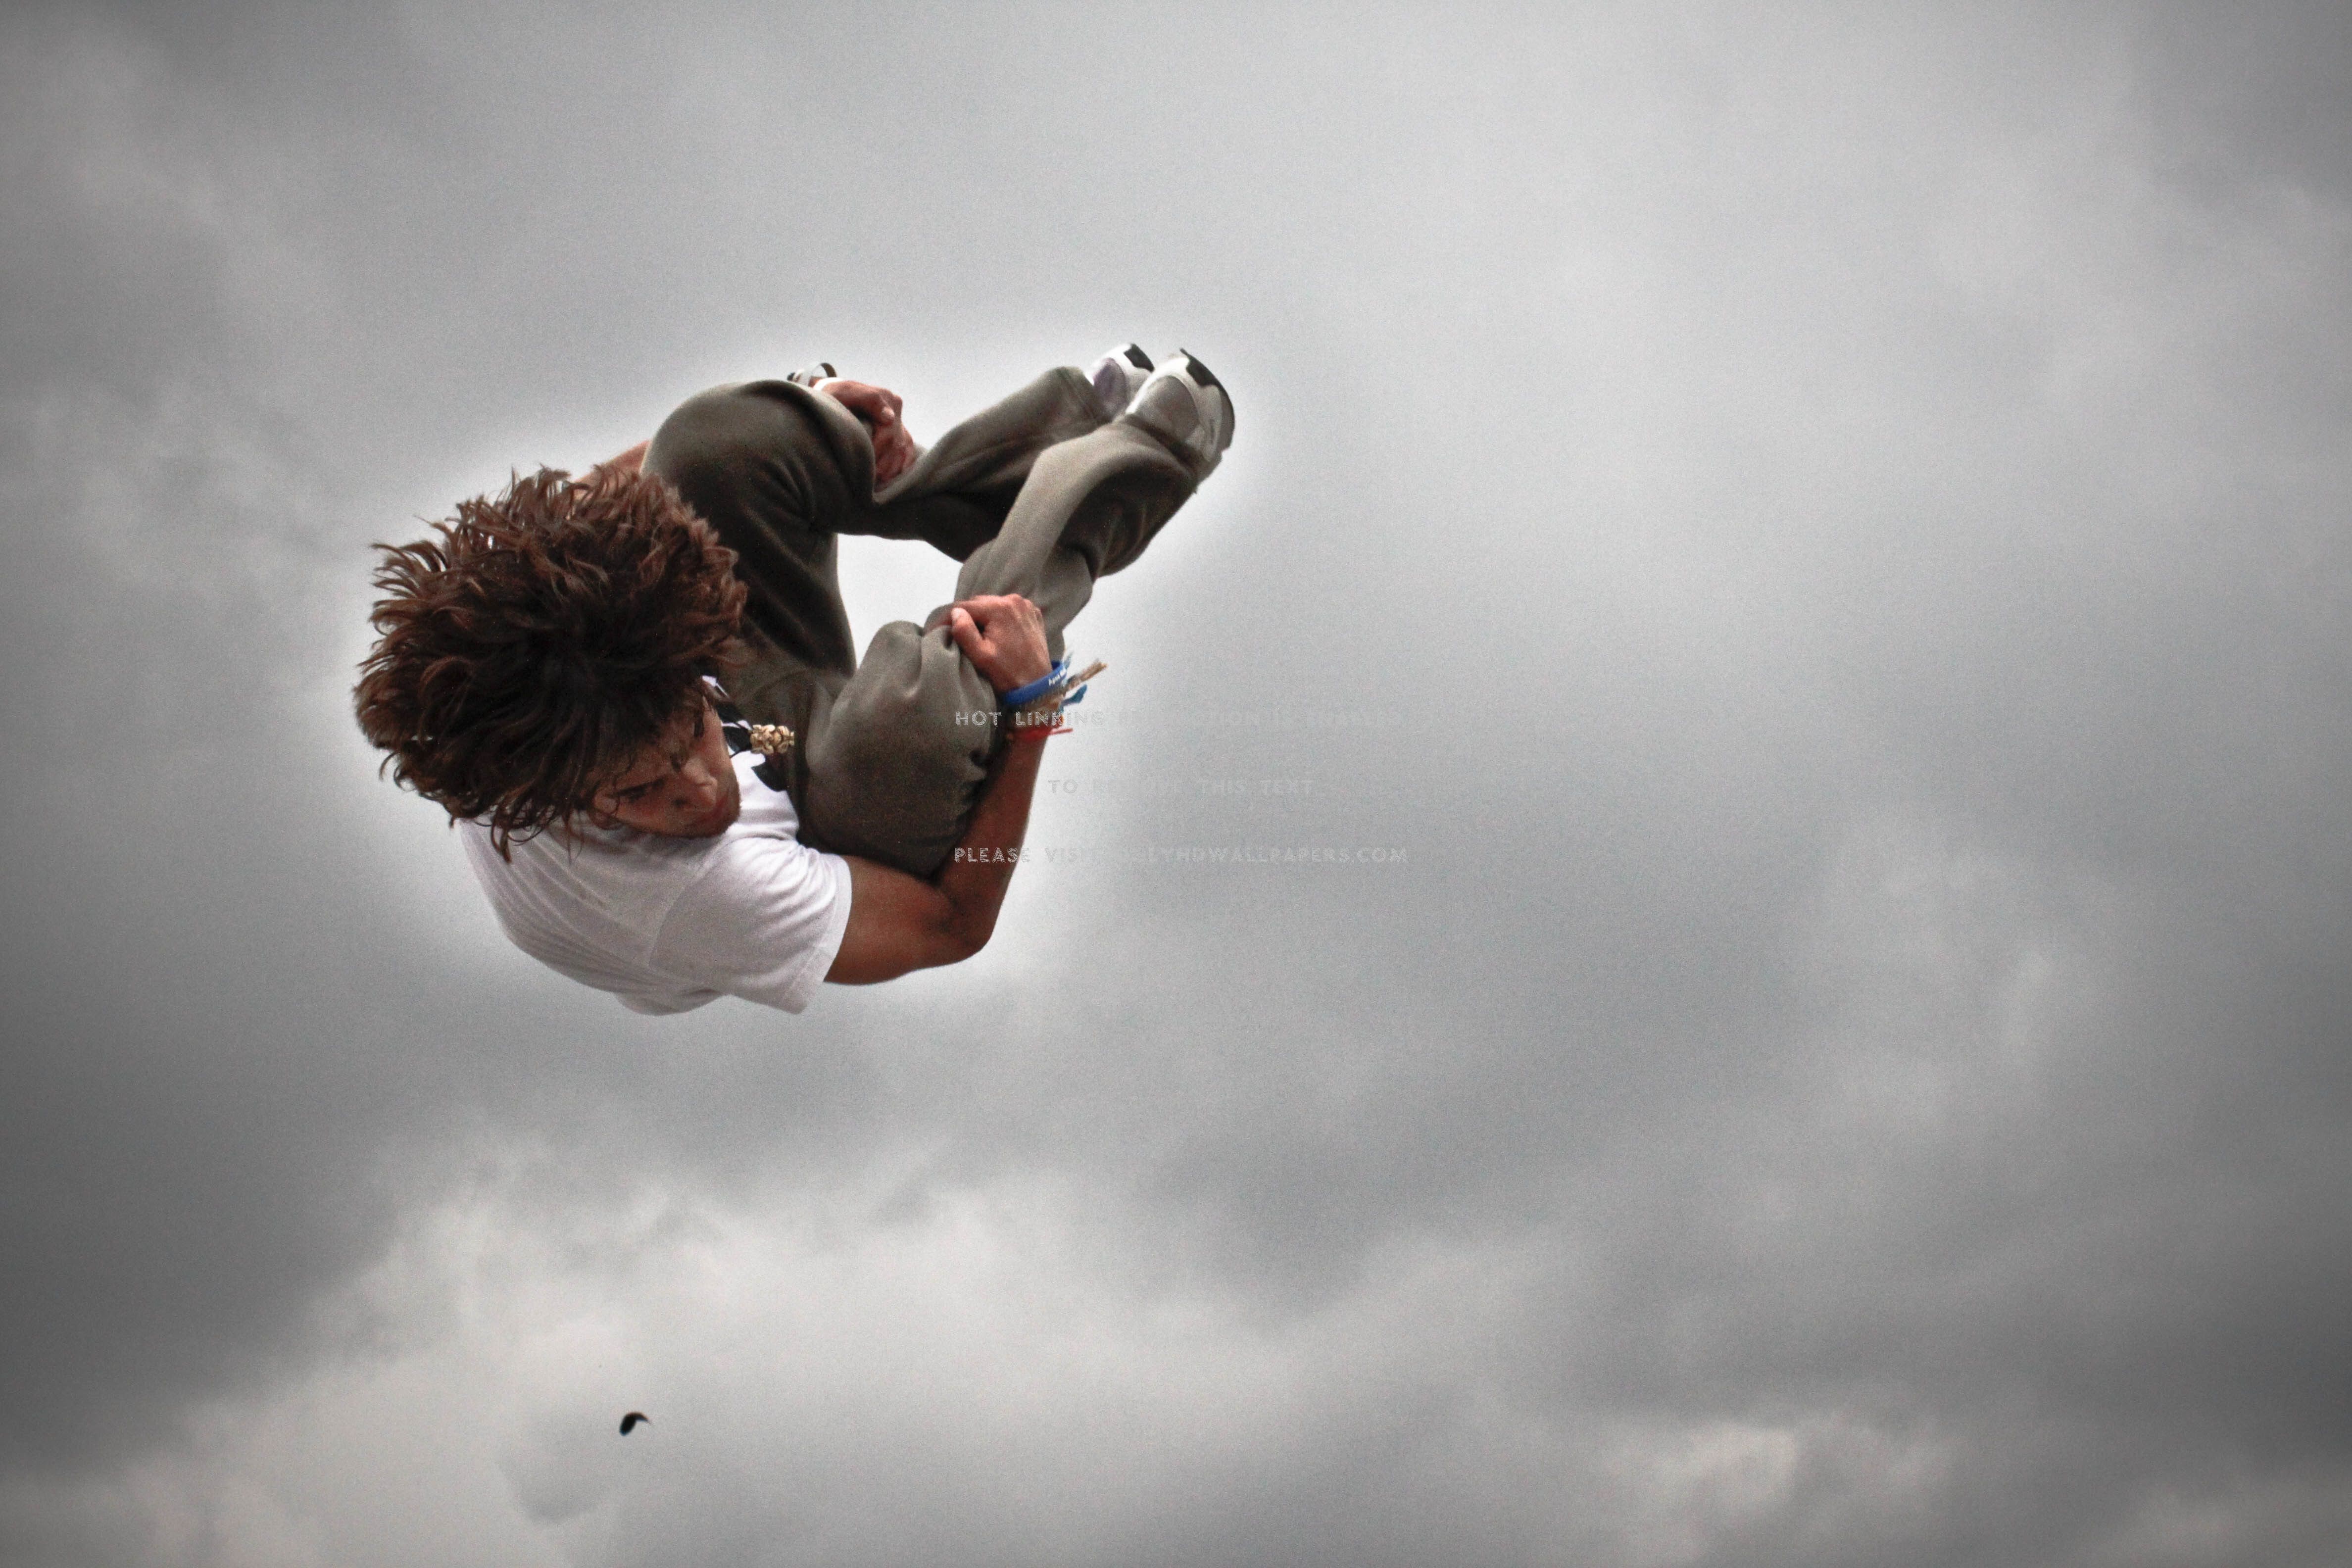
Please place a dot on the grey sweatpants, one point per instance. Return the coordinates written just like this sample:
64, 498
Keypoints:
1037, 495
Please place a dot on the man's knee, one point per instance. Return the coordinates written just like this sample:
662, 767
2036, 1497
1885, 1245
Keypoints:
731, 439
918, 701
894, 770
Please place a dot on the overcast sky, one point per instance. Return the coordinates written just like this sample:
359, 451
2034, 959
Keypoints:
1810, 548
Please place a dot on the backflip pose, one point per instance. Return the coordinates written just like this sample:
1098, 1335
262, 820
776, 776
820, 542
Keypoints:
636, 696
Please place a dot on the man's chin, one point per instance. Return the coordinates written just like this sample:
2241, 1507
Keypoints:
722, 817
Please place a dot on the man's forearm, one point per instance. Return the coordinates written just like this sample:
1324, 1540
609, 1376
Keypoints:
977, 874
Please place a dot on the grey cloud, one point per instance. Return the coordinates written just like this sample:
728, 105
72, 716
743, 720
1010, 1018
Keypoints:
1821, 542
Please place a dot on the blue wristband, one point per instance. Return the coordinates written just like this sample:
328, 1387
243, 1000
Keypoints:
1038, 688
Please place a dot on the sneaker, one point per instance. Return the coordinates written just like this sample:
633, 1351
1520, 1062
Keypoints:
821, 371
1187, 407
1118, 375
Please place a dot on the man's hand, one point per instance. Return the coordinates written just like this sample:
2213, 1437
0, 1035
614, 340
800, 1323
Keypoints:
880, 409
1004, 638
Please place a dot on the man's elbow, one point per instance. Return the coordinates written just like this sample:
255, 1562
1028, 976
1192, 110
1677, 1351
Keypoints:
963, 940
898, 925
873, 966
939, 942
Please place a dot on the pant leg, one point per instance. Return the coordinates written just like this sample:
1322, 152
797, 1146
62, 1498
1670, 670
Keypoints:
897, 774
1089, 508
1037, 495
762, 465
781, 471
957, 493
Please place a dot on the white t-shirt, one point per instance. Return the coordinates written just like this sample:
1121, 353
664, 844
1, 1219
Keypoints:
667, 925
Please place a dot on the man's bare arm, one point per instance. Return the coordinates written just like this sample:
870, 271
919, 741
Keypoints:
898, 924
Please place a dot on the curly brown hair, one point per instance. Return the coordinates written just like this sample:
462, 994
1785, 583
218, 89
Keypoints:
543, 641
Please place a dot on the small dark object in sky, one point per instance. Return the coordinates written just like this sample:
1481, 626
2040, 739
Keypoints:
629, 1422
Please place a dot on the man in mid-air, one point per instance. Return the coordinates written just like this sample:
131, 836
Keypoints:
634, 692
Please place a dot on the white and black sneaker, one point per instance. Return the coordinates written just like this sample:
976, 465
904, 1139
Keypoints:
1118, 375
1187, 407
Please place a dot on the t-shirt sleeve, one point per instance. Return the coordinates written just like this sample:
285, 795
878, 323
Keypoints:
762, 922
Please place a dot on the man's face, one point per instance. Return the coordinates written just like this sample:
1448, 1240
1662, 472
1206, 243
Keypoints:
682, 786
